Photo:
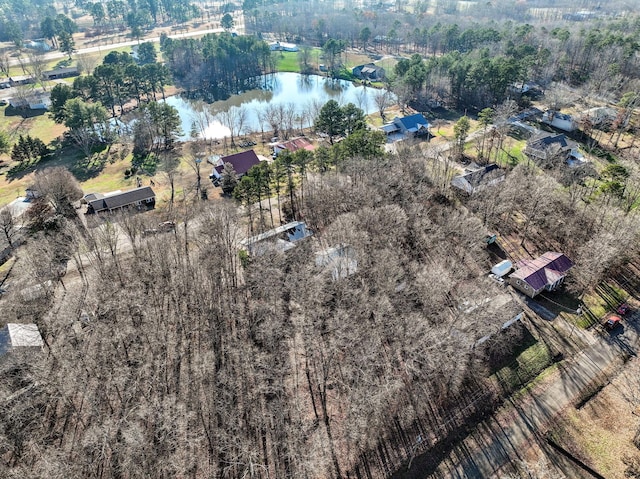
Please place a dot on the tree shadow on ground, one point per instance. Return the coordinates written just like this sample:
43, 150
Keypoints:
86, 168
68, 156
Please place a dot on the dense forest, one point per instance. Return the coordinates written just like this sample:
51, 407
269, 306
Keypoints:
472, 56
174, 354
217, 66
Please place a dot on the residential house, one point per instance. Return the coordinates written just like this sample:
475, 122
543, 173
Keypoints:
281, 239
32, 102
369, 71
561, 121
241, 162
599, 116
340, 260
292, 145
549, 149
283, 47
476, 178
61, 73
529, 89
19, 336
39, 44
544, 273
142, 197
19, 80
413, 125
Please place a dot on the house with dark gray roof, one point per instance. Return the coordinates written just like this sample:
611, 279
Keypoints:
143, 197
61, 73
476, 178
547, 147
545, 273
369, 71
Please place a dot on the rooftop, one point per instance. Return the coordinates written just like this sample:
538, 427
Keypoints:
15, 335
414, 122
241, 162
120, 199
543, 270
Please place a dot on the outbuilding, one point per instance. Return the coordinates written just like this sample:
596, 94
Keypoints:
19, 336
502, 268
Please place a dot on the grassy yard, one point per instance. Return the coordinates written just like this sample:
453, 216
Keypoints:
525, 367
288, 61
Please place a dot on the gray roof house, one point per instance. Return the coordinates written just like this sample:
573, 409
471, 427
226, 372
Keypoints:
18, 80
282, 239
138, 197
14, 336
60, 73
547, 147
369, 71
476, 178
38, 101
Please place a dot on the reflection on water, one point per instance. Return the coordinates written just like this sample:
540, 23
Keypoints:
304, 92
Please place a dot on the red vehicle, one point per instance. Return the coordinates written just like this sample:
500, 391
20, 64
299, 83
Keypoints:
612, 322
623, 309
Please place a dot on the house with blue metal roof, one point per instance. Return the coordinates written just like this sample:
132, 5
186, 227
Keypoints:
413, 125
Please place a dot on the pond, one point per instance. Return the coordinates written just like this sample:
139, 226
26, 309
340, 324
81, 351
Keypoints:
294, 99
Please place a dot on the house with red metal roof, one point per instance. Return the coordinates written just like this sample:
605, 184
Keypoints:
292, 145
545, 273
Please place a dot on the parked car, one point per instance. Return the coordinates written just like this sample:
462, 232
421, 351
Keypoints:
612, 322
164, 227
497, 279
623, 309
167, 226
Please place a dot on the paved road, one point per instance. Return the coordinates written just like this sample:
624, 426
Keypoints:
58, 54
506, 435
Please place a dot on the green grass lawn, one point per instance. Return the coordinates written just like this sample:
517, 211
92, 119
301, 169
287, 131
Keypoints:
526, 366
287, 62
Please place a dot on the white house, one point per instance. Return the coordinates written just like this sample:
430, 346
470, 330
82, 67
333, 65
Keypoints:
561, 121
283, 47
282, 239
502, 268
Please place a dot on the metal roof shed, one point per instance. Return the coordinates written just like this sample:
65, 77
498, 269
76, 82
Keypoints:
15, 335
502, 268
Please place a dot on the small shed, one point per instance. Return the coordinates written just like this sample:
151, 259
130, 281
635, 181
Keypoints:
15, 335
502, 268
